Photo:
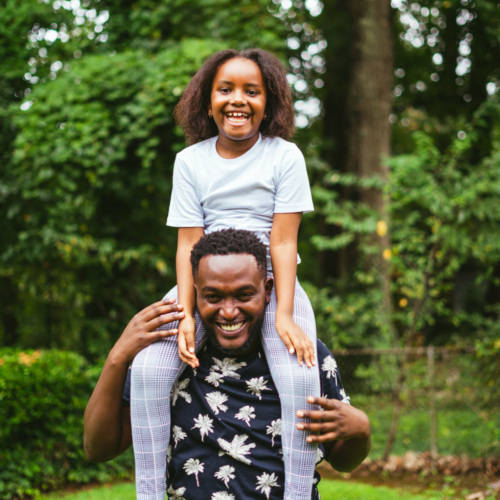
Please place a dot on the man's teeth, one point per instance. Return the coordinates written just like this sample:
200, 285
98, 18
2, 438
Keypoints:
231, 328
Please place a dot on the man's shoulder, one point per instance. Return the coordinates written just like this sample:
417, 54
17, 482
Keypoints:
323, 351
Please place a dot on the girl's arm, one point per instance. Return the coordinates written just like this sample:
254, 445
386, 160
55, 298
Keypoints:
186, 238
283, 245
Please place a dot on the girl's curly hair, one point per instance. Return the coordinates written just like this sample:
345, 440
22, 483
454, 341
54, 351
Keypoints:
191, 113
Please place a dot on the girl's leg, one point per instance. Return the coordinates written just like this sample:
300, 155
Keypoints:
154, 370
294, 383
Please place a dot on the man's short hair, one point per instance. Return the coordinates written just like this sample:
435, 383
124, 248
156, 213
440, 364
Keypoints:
230, 242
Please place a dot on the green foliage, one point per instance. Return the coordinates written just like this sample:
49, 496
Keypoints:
444, 248
43, 395
87, 193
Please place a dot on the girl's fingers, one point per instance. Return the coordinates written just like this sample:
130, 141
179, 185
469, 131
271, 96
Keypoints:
186, 356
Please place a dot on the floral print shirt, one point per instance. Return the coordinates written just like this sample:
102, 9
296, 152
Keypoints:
226, 428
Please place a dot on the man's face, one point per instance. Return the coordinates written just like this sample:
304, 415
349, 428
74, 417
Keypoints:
231, 295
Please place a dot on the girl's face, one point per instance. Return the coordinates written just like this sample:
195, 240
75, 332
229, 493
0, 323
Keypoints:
237, 104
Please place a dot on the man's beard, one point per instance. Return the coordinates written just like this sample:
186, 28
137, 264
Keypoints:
249, 345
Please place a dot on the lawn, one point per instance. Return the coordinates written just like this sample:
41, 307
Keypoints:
329, 489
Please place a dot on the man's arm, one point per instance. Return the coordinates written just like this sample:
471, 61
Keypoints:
343, 429
107, 430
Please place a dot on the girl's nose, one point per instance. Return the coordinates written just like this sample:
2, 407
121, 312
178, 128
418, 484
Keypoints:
238, 97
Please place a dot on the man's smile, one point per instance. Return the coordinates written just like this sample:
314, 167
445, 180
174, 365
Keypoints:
231, 327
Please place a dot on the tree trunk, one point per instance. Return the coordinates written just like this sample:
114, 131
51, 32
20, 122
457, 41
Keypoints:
357, 107
369, 106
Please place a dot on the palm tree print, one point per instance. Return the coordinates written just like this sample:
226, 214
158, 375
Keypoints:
176, 494
178, 390
228, 367
225, 474
178, 434
256, 386
215, 378
246, 413
266, 482
216, 401
236, 448
222, 495
319, 455
205, 424
345, 397
330, 367
274, 429
194, 466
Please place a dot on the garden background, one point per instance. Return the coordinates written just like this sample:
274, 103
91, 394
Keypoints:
398, 114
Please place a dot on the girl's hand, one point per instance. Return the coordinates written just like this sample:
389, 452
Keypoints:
295, 340
186, 341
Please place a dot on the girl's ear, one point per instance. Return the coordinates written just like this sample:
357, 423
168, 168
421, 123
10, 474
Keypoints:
210, 111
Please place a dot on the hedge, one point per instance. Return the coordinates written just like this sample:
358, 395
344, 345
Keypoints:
43, 395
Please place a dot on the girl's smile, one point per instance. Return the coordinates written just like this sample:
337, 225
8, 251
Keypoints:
237, 104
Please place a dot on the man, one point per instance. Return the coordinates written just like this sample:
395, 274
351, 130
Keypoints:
225, 440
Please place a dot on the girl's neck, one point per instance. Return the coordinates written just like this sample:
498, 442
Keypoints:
229, 149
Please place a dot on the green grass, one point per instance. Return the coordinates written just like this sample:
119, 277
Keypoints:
460, 431
329, 490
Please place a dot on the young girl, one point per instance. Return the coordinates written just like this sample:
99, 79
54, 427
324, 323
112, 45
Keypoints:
239, 172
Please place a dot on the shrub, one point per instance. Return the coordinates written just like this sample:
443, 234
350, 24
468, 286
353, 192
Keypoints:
43, 395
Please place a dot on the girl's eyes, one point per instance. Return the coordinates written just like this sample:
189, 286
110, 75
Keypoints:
251, 93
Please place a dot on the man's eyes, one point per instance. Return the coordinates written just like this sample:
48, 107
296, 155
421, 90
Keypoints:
243, 297
211, 297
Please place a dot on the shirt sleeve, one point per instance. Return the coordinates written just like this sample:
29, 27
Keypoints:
293, 193
185, 209
331, 384
126, 390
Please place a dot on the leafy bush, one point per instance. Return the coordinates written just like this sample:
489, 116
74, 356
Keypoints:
43, 395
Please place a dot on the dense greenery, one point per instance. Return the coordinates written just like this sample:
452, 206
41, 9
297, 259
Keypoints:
87, 143
43, 395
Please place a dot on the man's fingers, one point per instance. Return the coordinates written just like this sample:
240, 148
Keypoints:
160, 315
165, 334
322, 438
326, 404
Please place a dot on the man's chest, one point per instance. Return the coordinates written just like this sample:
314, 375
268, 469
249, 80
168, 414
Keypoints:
226, 431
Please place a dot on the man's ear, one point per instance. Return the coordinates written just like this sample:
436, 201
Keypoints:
269, 288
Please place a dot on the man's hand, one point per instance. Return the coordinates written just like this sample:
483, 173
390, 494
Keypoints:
143, 329
342, 428
295, 340
186, 341
107, 431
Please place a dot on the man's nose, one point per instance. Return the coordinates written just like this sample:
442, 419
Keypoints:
229, 309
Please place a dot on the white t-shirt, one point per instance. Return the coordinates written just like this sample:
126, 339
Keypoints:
242, 193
